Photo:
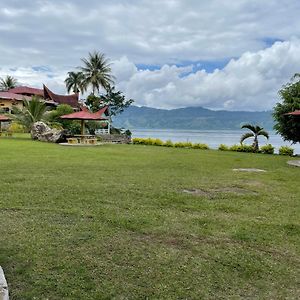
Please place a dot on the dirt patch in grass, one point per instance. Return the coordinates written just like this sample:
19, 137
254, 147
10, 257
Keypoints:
192, 243
214, 192
249, 170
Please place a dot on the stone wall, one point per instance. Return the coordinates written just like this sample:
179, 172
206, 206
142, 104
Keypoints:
114, 138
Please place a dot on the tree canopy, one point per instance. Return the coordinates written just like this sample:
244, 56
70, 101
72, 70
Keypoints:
114, 99
288, 126
53, 117
97, 72
74, 82
8, 83
33, 111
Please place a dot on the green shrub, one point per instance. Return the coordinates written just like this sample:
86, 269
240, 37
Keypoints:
157, 142
56, 125
136, 141
179, 145
286, 150
188, 145
149, 141
128, 132
15, 127
241, 148
200, 146
169, 143
267, 149
223, 147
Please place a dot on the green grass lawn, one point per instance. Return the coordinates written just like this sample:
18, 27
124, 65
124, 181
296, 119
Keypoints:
113, 222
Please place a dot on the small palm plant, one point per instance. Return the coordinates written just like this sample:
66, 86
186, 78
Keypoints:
33, 111
8, 83
256, 132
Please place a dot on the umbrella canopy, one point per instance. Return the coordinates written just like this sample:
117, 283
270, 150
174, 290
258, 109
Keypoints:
86, 115
294, 113
4, 119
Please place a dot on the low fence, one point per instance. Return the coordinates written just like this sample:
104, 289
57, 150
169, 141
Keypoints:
114, 138
102, 131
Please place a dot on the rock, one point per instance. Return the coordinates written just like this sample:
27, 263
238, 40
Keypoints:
42, 132
3, 286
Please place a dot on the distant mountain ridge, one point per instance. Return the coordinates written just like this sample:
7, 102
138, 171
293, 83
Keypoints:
195, 118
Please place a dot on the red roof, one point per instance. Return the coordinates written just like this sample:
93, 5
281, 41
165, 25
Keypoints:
71, 100
4, 118
27, 90
12, 96
85, 114
294, 113
102, 111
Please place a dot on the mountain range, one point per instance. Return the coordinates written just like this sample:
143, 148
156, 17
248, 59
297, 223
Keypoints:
196, 118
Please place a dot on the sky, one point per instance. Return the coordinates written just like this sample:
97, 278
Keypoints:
219, 54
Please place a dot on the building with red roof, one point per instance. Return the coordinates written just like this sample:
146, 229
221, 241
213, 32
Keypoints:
15, 97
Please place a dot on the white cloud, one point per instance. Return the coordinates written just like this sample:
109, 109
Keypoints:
146, 31
58, 33
248, 83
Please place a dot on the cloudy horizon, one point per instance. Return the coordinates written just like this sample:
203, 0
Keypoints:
165, 54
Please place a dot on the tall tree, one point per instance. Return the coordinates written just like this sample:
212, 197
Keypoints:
97, 72
33, 111
256, 132
74, 82
9, 82
288, 126
114, 99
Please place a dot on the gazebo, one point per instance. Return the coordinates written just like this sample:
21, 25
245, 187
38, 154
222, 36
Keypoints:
86, 115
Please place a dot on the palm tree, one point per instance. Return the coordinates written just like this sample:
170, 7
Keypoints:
8, 83
74, 82
97, 72
33, 111
256, 131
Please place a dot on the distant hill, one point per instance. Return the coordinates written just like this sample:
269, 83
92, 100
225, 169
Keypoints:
190, 118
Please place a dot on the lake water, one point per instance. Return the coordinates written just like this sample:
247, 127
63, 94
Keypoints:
211, 137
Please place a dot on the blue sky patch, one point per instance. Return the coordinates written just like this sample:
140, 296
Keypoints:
269, 41
41, 69
208, 66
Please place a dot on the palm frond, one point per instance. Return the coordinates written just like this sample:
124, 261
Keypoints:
263, 133
249, 126
246, 136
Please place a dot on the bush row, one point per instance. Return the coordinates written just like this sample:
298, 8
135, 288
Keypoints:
267, 149
158, 142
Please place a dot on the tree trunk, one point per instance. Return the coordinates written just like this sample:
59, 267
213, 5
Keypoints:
255, 144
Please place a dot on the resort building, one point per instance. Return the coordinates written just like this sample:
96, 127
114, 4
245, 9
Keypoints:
14, 98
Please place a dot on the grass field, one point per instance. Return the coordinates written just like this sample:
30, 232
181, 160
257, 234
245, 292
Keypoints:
113, 222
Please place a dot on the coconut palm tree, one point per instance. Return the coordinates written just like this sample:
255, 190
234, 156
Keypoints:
97, 72
256, 132
33, 111
7, 83
74, 82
